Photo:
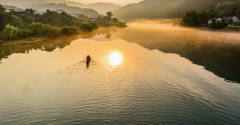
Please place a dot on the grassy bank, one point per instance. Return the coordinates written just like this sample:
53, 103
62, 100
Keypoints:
231, 29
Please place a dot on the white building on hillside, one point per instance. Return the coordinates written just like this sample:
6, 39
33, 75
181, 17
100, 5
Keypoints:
74, 14
7, 10
209, 21
235, 19
59, 11
218, 19
91, 19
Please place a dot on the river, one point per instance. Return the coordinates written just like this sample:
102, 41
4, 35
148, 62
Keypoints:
147, 73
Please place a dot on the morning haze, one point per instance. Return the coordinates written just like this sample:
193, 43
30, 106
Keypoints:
120, 2
171, 62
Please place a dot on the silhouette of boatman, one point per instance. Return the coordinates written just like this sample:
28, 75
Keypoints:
88, 60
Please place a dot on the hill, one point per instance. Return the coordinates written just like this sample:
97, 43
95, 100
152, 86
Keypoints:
199, 5
13, 7
100, 7
68, 9
21, 3
43, 5
147, 9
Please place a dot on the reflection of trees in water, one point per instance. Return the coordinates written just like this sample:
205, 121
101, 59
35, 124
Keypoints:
212, 52
51, 44
216, 53
222, 45
101, 31
46, 45
108, 35
107, 31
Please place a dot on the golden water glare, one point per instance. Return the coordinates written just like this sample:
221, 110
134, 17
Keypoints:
115, 58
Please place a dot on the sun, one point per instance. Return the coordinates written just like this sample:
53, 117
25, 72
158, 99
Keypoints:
115, 58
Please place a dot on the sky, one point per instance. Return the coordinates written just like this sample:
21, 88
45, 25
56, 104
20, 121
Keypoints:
120, 2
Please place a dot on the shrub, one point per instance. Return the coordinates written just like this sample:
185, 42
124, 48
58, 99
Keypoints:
88, 26
121, 24
9, 32
95, 26
54, 31
73, 29
218, 25
15, 21
15, 32
65, 30
23, 33
68, 30
35, 28
78, 23
43, 29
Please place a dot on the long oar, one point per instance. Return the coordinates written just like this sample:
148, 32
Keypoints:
82, 61
95, 61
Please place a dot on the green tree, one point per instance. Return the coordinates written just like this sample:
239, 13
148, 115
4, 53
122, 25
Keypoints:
52, 18
218, 25
66, 19
38, 17
223, 21
230, 21
88, 26
115, 19
203, 17
190, 19
65, 30
109, 15
15, 21
3, 17
23, 33
36, 28
27, 10
43, 29
31, 12
9, 32
25, 19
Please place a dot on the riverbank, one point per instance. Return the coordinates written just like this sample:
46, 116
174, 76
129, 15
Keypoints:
29, 40
226, 29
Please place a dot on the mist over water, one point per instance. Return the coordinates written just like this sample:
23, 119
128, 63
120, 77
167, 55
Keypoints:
151, 72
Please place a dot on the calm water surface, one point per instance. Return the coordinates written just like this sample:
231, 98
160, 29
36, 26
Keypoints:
142, 74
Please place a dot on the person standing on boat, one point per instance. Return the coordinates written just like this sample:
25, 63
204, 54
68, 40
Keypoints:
88, 60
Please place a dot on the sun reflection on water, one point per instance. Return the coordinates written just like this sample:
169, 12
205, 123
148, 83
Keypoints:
115, 58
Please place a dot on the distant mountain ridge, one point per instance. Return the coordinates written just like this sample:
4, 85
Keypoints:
196, 5
155, 9
43, 5
68, 9
100, 7
147, 9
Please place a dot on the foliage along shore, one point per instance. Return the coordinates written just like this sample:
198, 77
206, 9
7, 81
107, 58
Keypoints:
213, 10
49, 24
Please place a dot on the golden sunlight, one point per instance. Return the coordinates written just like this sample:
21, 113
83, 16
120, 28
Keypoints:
115, 58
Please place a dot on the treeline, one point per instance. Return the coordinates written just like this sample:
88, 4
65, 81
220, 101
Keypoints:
194, 19
50, 23
210, 10
108, 21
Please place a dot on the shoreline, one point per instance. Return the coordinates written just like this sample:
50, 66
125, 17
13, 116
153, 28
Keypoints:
226, 29
24, 41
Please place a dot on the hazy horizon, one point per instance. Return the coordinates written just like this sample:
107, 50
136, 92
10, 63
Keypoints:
119, 2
